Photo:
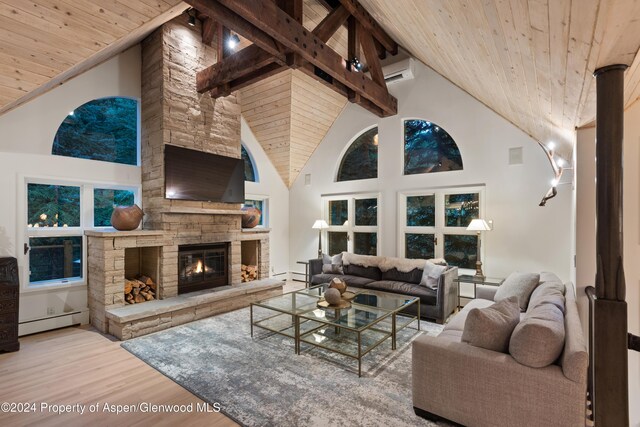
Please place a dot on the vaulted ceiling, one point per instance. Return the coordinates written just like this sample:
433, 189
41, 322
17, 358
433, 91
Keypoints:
529, 60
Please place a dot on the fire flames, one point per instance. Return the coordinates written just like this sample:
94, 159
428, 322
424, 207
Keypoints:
199, 267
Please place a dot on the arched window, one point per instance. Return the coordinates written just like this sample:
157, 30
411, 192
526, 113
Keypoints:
361, 159
429, 148
249, 168
103, 129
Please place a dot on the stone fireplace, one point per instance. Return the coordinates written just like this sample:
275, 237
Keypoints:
177, 234
202, 267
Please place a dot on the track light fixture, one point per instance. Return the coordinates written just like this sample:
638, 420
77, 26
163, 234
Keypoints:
233, 41
192, 17
355, 64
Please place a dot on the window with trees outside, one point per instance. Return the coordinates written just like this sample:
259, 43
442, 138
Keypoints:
429, 148
433, 225
249, 168
104, 129
57, 213
361, 159
353, 224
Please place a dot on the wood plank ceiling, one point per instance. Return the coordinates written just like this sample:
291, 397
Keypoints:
290, 113
46, 42
531, 61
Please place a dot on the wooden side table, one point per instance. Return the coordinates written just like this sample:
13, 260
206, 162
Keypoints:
467, 278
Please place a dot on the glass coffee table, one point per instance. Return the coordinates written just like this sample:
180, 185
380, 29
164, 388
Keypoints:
373, 317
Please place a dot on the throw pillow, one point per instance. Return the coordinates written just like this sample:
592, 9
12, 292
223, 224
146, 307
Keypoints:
332, 264
491, 327
538, 340
519, 285
431, 275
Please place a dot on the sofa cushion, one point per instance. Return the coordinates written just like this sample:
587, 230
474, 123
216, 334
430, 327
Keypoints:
457, 322
546, 290
520, 285
539, 338
491, 327
372, 273
431, 275
356, 281
413, 276
427, 296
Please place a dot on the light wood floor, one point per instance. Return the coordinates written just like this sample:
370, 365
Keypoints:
78, 365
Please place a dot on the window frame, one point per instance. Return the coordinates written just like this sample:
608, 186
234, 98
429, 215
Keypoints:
440, 229
24, 233
265, 207
256, 175
403, 156
351, 227
343, 152
138, 131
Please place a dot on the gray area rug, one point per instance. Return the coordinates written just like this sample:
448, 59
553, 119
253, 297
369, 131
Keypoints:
260, 381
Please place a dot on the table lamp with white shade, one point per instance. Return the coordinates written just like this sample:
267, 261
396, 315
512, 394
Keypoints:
320, 225
478, 225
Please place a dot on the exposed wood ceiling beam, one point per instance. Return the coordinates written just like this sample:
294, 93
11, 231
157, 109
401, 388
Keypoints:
209, 28
248, 79
231, 20
270, 19
370, 24
240, 64
371, 55
331, 23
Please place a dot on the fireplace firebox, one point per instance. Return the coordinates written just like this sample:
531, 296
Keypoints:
202, 267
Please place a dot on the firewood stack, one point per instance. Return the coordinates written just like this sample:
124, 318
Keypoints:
139, 290
249, 272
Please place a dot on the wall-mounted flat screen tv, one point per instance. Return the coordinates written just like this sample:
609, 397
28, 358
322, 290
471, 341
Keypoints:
200, 176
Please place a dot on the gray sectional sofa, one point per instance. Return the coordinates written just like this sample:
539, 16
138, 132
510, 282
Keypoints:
473, 386
397, 275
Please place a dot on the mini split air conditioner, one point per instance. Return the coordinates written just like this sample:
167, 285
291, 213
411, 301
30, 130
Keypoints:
398, 71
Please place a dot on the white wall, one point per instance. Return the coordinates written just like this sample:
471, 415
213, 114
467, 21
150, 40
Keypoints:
525, 237
25, 151
631, 225
586, 238
270, 185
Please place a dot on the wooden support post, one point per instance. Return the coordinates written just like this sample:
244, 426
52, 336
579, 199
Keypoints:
223, 36
610, 354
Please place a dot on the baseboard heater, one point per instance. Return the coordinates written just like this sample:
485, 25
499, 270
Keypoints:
48, 323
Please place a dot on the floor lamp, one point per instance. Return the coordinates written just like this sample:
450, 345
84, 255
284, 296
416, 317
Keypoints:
478, 225
320, 225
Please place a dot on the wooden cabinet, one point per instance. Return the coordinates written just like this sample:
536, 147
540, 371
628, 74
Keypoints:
9, 294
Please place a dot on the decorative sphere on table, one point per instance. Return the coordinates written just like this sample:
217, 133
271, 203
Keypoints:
332, 296
338, 284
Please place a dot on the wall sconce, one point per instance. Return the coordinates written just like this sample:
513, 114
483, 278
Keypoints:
557, 164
